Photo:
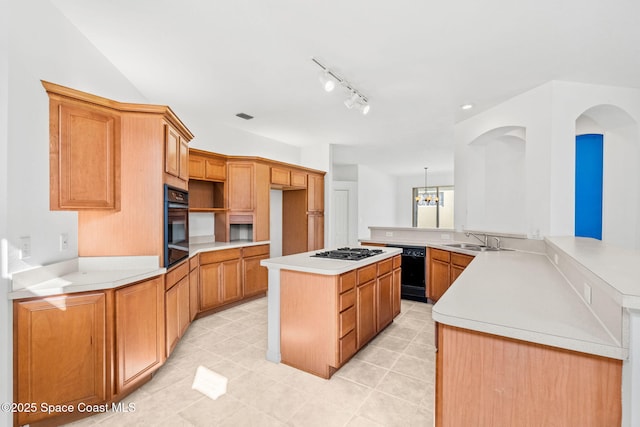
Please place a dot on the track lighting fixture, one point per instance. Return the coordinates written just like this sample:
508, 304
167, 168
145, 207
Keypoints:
329, 78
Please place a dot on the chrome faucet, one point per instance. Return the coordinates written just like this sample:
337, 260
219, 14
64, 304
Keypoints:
497, 241
483, 240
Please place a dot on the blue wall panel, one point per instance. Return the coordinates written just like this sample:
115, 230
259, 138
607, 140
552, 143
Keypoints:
588, 208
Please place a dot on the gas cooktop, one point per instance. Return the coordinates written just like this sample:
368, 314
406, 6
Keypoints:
349, 254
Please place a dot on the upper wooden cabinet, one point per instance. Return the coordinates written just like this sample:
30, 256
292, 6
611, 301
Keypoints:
280, 176
176, 153
84, 155
206, 166
241, 186
315, 193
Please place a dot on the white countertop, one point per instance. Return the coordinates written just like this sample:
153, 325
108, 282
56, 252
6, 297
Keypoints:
524, 296
304, 262
86, 274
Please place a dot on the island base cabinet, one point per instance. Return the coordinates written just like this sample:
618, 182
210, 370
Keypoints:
492, 381
60, 352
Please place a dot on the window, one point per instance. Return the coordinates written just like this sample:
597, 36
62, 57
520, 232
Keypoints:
430, 211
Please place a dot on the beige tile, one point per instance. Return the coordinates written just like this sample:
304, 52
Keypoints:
358, 421
231, 329
320, 414
250, 417
207, 412
420, 350
405, 332
388, 410
390, 343
248, 386
343, 393
234, 314
228, 369
281, 401
378, 356
212, 321
228, 347
362, 372
404, 387
417, 368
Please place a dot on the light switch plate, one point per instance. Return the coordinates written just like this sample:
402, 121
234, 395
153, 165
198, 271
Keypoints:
586, 292
25, 247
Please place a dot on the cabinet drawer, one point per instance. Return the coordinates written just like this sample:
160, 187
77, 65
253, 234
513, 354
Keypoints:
240, 219
460, 260
176, 274
255, 250
385, 266
193, 262
347, 346
347, 321
440, 255
397, 261
366, 274
347, 299
218, 256
347, 281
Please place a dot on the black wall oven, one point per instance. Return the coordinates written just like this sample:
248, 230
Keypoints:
176, 225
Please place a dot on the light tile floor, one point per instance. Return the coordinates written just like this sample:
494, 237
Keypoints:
390, 382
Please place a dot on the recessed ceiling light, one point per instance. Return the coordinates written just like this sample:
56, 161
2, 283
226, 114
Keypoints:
244, 116
466, 106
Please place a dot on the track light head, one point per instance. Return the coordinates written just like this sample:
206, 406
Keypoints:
352, 100
365, 107
328, 84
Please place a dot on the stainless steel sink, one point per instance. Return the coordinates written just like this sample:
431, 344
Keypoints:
477, 248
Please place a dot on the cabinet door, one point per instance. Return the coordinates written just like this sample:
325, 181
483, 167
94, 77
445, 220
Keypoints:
171, 318
439, 279
366, 312
61, 352
384, 293
315, 232
193, 293
184, 316
84, 157
196, 167
139, 331
397, 282
255, 276
183, 160
172, 151
231, 289
315, 193
215, 170
209, 292
240, 186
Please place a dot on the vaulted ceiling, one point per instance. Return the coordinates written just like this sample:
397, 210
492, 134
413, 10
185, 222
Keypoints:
416, 61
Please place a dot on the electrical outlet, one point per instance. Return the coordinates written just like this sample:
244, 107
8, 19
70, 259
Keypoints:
445, 236
389, 234
25, 247
586, 292
64, 241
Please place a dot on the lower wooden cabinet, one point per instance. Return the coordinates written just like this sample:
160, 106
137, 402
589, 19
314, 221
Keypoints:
397, 284
254, 276
177, 305
444, 269
325, 320
139, 332
219, 278
61, 352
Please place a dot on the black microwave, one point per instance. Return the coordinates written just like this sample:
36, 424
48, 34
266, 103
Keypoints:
176, 225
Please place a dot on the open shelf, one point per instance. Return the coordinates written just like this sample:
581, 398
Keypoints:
206, 196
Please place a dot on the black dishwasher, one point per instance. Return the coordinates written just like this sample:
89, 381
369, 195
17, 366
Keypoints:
413, 272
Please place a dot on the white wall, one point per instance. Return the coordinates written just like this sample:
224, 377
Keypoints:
375, 190
43, 46
6, 320
548, 114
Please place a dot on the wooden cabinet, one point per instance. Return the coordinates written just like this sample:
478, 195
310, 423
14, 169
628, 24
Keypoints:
61, 346
298, 179
397, 284
384, 293
177, 304
193, 287
280, 177
139, 332
315, 193
176, 153
366, 305
241, 186
351, 309
206, 167
254, 276
507, 382
315, 232
219, 278
444, 269
84, 155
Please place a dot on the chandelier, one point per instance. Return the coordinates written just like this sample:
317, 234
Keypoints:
423, 197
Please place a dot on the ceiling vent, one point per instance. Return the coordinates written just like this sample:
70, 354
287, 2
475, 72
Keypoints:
244, 116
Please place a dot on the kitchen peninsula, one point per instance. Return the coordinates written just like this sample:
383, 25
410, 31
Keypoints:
321, 311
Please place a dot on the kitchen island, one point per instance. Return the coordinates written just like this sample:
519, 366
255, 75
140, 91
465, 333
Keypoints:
322, 311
